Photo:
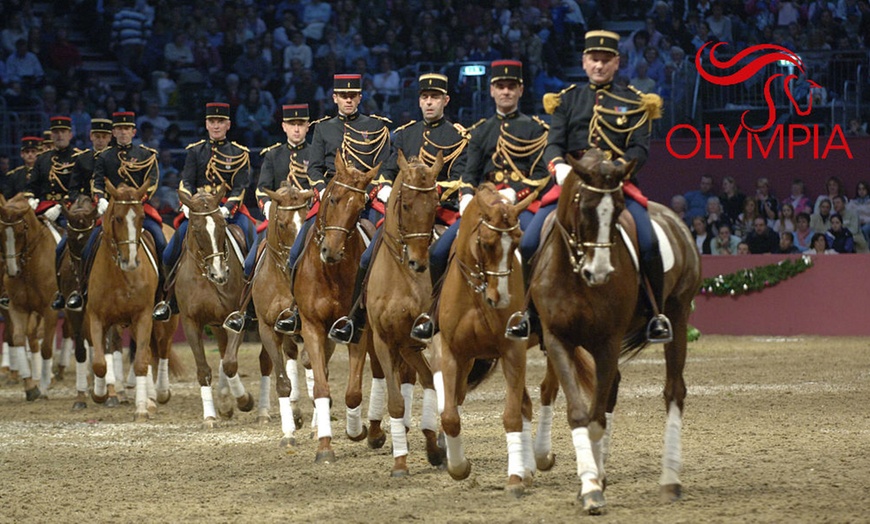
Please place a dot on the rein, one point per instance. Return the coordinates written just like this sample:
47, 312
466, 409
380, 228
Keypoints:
321, 218
481, 272
26, 249
400, 244
281, 252
577, 247
203, 259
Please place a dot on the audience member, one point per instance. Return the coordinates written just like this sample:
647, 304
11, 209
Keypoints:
725, 243
253, 120
252, 63
743, 248
798, 200
697, 199
732, 199
681, 207
762, 239
768, 206
702, 237
152, 115
714, 216
746, 219
833, 187
861, 206
819, 245
803, 233
387, 84
838, 237
299, 50
171, 138
786, 243
23, 66
785, 222
821, 220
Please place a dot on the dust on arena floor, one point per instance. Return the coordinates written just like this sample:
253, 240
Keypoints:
775, 430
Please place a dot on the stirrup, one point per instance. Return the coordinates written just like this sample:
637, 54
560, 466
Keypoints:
287, 322
4, 302
518, 326
59, 302
423, 329
235, 322
342, 330
75, 302
161, 312
664, 334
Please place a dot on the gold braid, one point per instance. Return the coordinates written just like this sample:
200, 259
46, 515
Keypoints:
57, 169
448, 187
597, 121
130, 167
520, 148
235, 164
296, 171
379, 140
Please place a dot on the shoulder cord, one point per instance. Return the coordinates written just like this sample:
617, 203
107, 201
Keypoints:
59, 168
520, 148
235, 162
130, 167
379, 140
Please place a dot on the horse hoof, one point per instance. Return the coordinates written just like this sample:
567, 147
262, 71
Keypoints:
32, 394
245, 403
400, 473
142, 417
298, 420
363, 434
264, 419
460, 472
112, 402
123, 398
546, 462
209, 423
593, 502
151, 407
99, 399
529, 479
436, 457
515, 490
79, 405
164, 396
288, 444
671, 492
58, 374
325, 457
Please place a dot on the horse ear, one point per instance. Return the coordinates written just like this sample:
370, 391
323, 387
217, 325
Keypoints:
2, 200
221, 193
402, 161
307, 194
141, 192
112, 190
184, 198
340, 167
271, 194
372, 173
439, 163
628, 169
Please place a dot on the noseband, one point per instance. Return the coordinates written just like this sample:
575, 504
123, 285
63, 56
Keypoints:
323, 228
203, 259
481, 272
577, 246
401, 241
24, 251
116, 244
283, 250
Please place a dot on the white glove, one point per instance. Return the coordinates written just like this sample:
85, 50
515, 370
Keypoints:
509, 194
562, 172
464, 200
102, 206
384, 193
185, 210
53, 212
266, 207
225, 212
34, 202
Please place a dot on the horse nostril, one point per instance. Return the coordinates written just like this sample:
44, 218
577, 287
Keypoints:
587, 275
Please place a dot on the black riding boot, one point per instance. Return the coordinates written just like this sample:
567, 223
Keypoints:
424, 328
59, 302
348, 330
168, 306
237, 321
75, 301
521, 324
658, 330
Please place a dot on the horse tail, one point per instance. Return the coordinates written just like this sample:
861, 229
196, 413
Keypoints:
633, 343
481, 369
176, 368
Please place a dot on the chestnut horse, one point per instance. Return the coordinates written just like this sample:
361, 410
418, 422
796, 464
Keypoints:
81, 219
398, 287
323, 287
586, 289
121, 285
209, 281
29, 278
273, 299
481, 288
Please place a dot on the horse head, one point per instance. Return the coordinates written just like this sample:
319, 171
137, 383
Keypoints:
498, 235
81, 218
341, 203
122, 223
207, 233
412, 203
286, 214
599, 200
16, 218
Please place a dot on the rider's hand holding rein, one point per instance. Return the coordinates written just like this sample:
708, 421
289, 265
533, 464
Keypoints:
464, 200
102, 206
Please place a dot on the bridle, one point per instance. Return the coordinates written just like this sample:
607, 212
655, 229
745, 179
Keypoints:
322, 228
400, 243
480, 273
576, 246
203, 259
282, 251
23, 254
116, 244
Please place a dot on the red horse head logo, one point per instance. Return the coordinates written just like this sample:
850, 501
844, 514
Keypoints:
772, 53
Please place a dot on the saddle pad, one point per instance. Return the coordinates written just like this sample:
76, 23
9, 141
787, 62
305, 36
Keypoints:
367, 230
233, 241
665, 247
147, 242
54, 232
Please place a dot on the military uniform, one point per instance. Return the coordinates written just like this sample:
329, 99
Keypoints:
16, 180
85, 161
52, 174
364, 142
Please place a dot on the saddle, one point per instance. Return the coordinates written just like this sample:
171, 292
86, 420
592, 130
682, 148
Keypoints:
239, 237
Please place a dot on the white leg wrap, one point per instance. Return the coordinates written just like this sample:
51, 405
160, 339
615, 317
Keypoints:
4, 360
408, 396
378, 399
455, 453
324, 425
222, 377
13, 357
119, 367
81, 377
45, 378
309, 382
142, 394
265, 402
672, 461
354, 421
67, 349
292, 370
207, 402
515, 454
544, 437
23, 361
605, 441
528, 454
99, 386
400, 438
287, 424
149, 383
110, 369
236, 386
163, 374
586, 468
36, 366
438, 378
130, 381
429, 418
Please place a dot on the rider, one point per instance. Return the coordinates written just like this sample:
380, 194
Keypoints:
424, 140
15, 181
50, 183
363, 142
282, 162
505, 149
210, 164
127, 163
617, 120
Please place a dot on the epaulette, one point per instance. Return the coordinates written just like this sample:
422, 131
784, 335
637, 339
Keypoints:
194, 144
552, 100
240, 146
538, 119
460, 129
468, 130
319, 120
14, 170
382, 118
146, 148
267, 149
80, 152
77, 151
650, 102
403, 126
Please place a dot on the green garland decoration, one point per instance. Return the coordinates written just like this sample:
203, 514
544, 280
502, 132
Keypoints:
755, 279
